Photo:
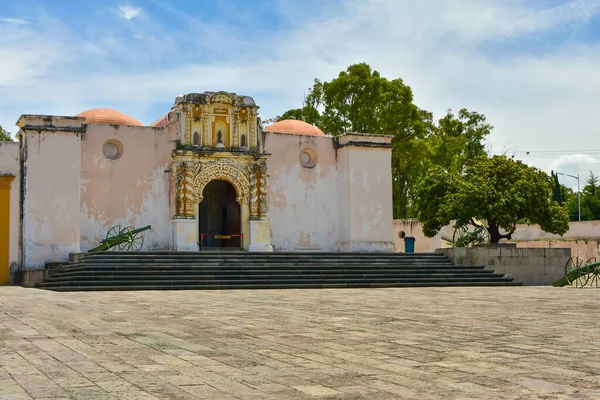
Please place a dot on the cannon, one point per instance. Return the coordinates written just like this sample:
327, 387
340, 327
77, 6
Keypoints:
580, 273
122, 239
463, 237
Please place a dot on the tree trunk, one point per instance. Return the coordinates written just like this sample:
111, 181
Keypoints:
495, 234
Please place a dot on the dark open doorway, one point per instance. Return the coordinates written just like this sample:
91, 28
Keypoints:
220, 222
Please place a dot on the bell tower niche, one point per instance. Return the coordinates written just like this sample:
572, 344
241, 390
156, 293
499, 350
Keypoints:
219, 121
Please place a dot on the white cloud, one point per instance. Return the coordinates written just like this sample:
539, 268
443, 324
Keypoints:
129, 13
543, 100
576, 164
14, 21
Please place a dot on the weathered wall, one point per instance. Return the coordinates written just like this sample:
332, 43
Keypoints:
368, 186
584, 249
529, 266
413, 228
303, 202
9, 165
524, 236
132, 190
577, 230
52, 172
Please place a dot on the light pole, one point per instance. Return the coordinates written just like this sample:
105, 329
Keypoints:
578, 192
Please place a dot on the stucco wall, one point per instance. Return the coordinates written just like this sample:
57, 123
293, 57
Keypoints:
303, 202
132, 190
413, 228
369, 191
577, 230
584, 249
52, 196
580, 237
9, 165
529, 266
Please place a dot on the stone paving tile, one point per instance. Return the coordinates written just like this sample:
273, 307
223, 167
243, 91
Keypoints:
422, 343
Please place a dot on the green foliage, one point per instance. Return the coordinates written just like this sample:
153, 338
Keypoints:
361, 100
558, 190
4, 135
498, 190
459, 139
590, 201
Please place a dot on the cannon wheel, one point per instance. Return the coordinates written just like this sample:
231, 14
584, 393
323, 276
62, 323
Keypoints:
113, 232
594, 276
133, 241
576, 262
458, 237
482, 236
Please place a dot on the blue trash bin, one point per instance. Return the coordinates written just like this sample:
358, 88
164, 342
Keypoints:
409, 244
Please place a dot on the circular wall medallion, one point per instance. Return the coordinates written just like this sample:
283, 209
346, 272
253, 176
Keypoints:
112, 149
308, 158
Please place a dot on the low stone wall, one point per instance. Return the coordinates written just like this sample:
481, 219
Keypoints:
584, 249
529, 266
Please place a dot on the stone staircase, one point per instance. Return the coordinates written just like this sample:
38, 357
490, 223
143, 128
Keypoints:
242, 270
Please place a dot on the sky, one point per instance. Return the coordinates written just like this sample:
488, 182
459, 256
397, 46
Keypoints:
531, 66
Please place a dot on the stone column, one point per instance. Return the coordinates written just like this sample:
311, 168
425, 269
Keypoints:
185, 234
260, 236
185, 223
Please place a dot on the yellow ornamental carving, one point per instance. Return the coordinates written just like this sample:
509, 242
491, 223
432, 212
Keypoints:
263, 200
254, 191
223, 169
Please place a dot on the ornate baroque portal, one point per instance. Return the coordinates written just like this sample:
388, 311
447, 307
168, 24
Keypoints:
219, 141
247, 175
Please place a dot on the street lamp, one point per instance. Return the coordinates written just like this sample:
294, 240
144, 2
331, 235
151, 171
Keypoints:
578, 193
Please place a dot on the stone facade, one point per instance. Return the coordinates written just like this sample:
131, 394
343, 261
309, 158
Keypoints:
282, 191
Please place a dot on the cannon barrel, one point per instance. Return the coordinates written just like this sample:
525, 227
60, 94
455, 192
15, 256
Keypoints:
121, 236
118, 239
576, 273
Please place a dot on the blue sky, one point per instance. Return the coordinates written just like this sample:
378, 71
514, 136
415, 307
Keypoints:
531, 66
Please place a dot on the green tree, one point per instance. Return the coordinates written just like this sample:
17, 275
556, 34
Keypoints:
459, 139
4, 135
590, 199
558, 190
498, 190
361, 100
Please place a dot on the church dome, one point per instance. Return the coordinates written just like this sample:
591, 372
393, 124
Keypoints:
294, 127
108, 116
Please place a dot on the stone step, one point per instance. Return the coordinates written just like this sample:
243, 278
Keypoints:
145, 270
267, 276
161, 269
241, 270
255, 281
272, 285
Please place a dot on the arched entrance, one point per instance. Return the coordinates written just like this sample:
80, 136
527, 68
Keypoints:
219, 214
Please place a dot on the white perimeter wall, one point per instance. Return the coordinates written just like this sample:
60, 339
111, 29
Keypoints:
303, 202
132, 190
367, 184
52, 197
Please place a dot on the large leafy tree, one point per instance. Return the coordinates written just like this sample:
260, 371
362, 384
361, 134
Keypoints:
361, 100
498, 190
4, 135
459, 139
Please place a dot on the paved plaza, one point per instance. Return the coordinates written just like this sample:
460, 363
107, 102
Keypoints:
423, 343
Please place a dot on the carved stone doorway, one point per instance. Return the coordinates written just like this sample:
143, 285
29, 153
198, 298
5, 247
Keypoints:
219, 215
